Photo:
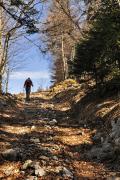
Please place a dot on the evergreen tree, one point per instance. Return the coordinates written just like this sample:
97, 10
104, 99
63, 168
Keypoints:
98, 53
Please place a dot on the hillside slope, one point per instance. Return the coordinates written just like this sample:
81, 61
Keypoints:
67, 132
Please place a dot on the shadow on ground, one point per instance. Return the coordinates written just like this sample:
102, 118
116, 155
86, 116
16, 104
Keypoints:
65, 143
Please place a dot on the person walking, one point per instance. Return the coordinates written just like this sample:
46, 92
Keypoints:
27, 85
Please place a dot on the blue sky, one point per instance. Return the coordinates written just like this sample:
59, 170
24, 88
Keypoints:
36, 66
31, 63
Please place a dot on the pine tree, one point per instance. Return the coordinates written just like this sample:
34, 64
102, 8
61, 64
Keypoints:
98, 54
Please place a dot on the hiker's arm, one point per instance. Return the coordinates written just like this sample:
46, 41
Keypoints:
24, 84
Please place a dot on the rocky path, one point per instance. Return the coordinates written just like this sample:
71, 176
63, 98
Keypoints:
39, 140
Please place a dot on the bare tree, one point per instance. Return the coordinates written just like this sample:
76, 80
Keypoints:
17, 18
63, 28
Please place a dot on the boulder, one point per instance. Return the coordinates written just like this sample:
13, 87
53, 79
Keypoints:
103, 156
94, 153
107, 147
105, 152
115, 129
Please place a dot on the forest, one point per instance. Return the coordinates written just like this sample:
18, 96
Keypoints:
70, 130
82, 36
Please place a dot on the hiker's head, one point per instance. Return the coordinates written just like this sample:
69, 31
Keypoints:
28, 78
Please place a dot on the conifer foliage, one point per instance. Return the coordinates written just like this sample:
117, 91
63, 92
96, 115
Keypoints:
98, 52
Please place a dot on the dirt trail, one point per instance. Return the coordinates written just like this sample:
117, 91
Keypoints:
42, 133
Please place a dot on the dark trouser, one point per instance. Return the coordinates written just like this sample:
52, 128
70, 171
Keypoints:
28, 90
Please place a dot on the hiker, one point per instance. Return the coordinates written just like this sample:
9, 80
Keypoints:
27, 85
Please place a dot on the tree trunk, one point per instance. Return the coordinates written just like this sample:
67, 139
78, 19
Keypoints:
119, 64
0, 49
64, 59
95, 75
0, 84
7, 80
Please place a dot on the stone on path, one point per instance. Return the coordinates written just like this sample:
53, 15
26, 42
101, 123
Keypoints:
47, 126
38, 170
32, 178
33, 128
11, 154
67, 172
44, 158
27, 164
55, 158
53, 122
35, 140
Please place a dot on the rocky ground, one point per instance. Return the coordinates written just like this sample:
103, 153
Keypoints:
65, 133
